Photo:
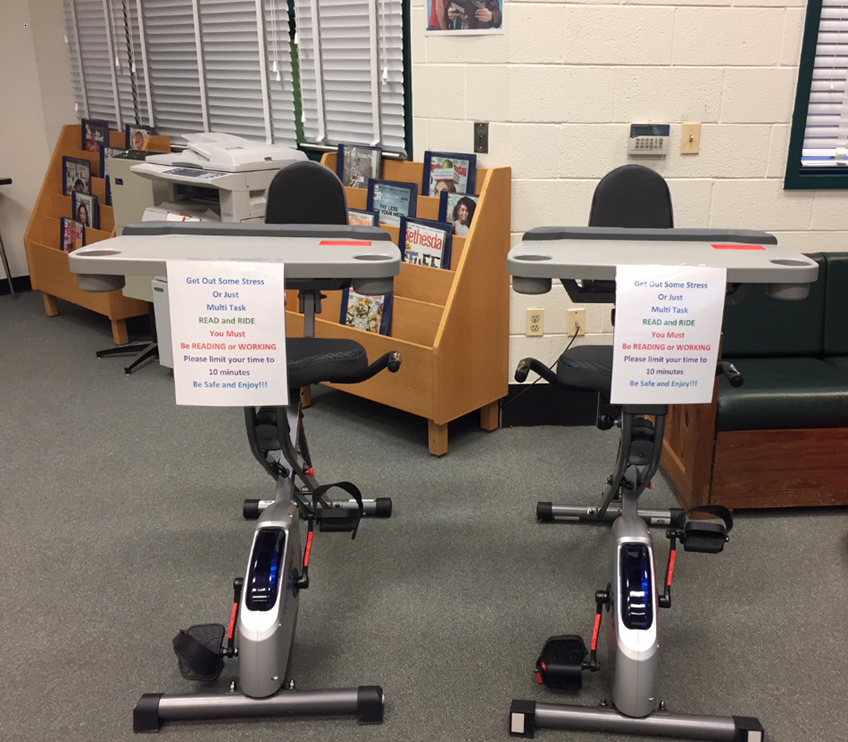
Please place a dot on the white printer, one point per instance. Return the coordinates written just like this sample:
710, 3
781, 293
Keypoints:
219, 177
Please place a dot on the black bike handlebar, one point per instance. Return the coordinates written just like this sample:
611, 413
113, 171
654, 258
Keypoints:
526, 365
391, 361
730, 372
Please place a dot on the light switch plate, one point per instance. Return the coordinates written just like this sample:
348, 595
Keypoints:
690, 138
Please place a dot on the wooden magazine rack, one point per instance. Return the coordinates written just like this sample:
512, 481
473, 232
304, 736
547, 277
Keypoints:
450, 326
48, 264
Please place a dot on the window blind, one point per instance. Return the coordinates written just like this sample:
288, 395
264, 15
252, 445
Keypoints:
99, 83
826, 131
350, 54
226, 65
179, 103
279, 73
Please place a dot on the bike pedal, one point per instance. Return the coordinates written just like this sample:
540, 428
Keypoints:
198, 650
704, 537
560, 666
337, 525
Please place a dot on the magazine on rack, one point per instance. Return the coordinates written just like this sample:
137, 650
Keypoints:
449, 171
366, 312
359, 218
458, 209
72, 235
86, 209
137, 134
76, 175
357, 164
392, 200
95, 135
105, 154
426, 242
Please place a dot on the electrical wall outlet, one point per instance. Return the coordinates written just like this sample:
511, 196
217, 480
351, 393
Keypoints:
576, 321
535, 322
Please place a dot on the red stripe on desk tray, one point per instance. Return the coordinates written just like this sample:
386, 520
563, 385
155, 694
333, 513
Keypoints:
345, 242
738, 247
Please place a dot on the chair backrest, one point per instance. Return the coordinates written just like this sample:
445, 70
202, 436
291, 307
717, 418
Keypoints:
632, 196
306, 193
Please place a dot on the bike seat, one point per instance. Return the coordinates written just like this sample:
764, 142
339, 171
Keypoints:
587, 367
316, 360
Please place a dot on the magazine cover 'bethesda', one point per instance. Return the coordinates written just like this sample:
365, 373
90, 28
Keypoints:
426, 242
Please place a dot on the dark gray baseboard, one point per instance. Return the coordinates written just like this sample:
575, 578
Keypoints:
542, 404
19, 283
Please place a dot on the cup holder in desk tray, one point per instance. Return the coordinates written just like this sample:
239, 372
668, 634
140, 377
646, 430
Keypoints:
790, 262
532, 257
99, 252
372, 256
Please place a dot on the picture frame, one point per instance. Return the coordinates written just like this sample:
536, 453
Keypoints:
95, 135
361, 218
90, 204
71, 235
76, 175
426, 242
450, 210
391, 200
366, 312
357, 164
449, 171
105, 154
136, 134
463, 18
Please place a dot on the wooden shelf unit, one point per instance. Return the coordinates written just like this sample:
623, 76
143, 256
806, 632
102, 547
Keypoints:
450, 326
48, 264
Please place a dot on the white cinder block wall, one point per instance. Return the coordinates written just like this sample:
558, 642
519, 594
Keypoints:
561, 85
37, 100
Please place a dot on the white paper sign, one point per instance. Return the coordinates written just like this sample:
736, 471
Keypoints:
667, 332
228, 333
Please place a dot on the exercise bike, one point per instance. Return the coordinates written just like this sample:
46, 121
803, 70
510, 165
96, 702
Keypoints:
265, 599
633, 596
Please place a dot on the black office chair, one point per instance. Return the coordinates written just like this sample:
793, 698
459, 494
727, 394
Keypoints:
632, 196
306, 193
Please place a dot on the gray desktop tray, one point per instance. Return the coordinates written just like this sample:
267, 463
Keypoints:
364, 254
593, 253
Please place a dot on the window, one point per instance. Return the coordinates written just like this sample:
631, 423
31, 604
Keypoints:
818, 148
355, 48
232, 66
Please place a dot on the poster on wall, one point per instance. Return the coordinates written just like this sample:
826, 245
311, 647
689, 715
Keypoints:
464, 17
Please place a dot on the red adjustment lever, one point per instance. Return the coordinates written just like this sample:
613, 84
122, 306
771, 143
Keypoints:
311, 471
651, 484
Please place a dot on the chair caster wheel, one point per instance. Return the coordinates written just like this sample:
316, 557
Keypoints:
544, 512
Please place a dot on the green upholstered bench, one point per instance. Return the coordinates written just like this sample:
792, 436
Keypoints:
781, 439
